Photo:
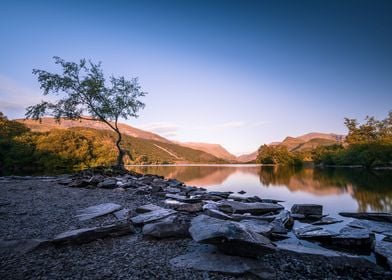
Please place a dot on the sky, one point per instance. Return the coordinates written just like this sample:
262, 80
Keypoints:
236, 73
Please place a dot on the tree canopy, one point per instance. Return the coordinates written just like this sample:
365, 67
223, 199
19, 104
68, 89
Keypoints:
83, 92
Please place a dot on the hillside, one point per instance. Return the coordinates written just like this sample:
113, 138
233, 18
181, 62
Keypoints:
49, 123
145, 147
213, 149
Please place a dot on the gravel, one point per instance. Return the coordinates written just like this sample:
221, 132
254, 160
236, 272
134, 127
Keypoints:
41, 208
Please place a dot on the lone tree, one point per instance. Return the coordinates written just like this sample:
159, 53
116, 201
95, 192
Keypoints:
83, 94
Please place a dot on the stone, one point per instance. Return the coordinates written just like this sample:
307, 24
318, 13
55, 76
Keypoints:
380, 217
21, 246
152, 216
252, 208
220, 194
122, 214
85, 235
97, 211
283, 220
327, 221
314, 233
182, 198
167, 227
297, 248
148, 208
217, 262
172, 190
258, 226
353, 239
240, 217
374, 226
230, 237
174, 183
185, 207
242, 192
217, 214
383, 252
307, 209
108, 184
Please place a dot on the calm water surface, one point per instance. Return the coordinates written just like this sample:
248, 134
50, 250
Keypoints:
336, 189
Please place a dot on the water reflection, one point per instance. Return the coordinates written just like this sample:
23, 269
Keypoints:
337, 189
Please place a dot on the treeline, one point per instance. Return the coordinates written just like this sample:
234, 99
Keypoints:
66, 150
368, 145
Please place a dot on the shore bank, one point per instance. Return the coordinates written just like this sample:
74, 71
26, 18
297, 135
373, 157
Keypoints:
43, 207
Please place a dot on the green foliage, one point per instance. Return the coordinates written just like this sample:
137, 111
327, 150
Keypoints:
278, 155
368, 144
84, 91
68, 150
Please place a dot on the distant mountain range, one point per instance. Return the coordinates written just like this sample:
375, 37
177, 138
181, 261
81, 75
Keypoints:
181, 152
304, 142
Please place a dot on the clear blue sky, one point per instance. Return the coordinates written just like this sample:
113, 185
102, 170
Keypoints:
238, 73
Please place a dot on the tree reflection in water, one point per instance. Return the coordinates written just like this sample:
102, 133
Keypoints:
371, 189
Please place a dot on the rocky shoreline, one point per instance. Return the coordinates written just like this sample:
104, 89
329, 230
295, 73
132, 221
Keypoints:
95, 225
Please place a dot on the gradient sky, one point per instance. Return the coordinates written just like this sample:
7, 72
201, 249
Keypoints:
237, 73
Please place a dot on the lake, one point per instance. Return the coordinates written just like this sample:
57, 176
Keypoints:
337, 189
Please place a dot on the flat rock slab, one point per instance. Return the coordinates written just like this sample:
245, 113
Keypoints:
152, 216
380, 217
231, 237
85, 235
306, 250
258, 226
314, 233
148, 208
383, 251
122, 214
217, 262
374, 226
307, 209
354, 239
217, 214
252, 208
97, 211
326, 221
167, 227
182, 206
183, 198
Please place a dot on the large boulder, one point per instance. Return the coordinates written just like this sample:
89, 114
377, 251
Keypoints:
252, 208
97, 211
231, 237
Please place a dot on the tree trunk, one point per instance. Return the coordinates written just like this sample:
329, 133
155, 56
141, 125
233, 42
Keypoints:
120, 157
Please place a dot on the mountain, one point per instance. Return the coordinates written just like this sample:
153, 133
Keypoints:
311, 140
49, 123
248, 157
305, 142
213, 149
327, 136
